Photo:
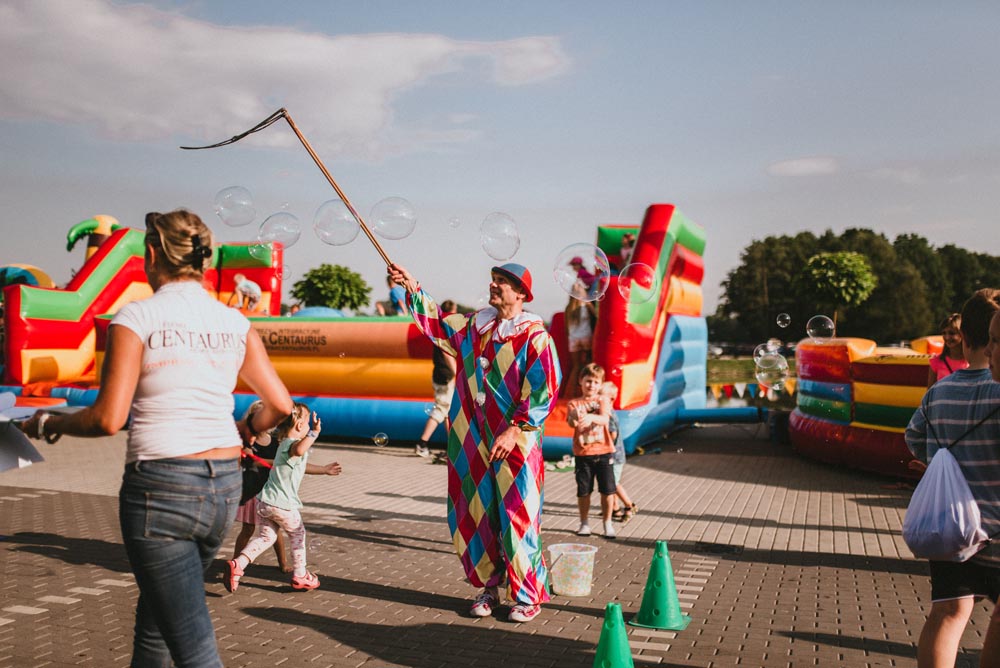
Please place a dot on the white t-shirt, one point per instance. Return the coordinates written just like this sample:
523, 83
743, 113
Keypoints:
193, 349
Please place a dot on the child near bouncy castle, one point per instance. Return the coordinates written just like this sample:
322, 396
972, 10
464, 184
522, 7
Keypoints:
278, 503
951, 358
626, 510
593, 448
256, 462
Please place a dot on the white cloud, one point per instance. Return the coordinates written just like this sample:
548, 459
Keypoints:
904, 175
814, 166
139, 73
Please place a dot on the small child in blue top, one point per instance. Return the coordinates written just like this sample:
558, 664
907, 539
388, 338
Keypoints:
620, 513
278, 503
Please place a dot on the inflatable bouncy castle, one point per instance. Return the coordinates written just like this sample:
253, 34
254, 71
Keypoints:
367, 375
855, 399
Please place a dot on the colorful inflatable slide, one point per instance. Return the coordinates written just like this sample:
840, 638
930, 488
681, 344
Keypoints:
366, 375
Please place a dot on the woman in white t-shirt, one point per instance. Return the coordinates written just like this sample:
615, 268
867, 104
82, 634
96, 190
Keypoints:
172, 361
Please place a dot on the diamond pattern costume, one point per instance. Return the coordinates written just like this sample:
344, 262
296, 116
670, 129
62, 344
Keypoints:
508, 372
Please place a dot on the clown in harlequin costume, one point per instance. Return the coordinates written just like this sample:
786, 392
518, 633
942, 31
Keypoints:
507, 384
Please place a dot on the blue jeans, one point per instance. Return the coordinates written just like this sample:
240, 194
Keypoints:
174, 515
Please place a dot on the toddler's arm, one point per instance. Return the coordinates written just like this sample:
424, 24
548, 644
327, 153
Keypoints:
302, 446
333, 468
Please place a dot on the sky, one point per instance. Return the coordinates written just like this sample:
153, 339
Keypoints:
753, 118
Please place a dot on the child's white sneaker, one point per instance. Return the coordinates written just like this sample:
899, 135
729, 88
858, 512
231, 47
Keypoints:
609, 530
584, 529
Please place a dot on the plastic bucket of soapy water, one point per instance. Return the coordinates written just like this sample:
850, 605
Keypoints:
571, 568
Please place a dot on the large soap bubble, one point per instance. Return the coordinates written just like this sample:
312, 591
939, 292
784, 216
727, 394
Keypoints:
261, 250
784, 320
772, 371
638, 283
334, 223
234, 206
282, 227
393, 218
499, 237
771, 346
585, 263
820, 328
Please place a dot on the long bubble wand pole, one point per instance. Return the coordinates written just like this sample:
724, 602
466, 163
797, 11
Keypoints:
283, 113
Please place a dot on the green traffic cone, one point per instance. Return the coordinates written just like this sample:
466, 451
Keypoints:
613, 650
660, 608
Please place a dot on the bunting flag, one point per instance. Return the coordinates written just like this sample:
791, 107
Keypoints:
741, 388
728, 391
752, 389
716, 390
790, 385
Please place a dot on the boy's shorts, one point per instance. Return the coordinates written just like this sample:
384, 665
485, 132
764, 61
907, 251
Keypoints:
442, 401
594, 466
951, 580
617, 469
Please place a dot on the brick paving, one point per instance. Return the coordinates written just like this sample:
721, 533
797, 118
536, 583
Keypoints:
779, 561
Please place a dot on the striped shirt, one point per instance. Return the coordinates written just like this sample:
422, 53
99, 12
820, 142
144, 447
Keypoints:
953, 405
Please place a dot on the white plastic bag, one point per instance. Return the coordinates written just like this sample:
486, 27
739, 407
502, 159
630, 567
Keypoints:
942, 521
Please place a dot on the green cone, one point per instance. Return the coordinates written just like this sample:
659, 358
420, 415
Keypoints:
660, 608
613, 650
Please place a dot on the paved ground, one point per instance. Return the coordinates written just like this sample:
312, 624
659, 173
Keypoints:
779, 561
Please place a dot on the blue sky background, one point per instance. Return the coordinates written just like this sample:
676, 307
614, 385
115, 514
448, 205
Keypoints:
753, 118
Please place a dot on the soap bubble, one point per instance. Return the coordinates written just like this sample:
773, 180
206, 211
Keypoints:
380, 439
393, 218
638, 283
282, 271
484, 364
334, 223
582, 270
819, 328
454, 222
282, 227
771, 370
784, 320
261, 251
499, 237
765, 348
234, 206
428, 409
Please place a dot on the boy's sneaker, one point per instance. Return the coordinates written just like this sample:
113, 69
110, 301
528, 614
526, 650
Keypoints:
609, 530
584, 529
306, 582
482, 605
522, 612
421, 451
234, 575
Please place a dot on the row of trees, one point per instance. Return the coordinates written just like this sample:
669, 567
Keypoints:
876, 288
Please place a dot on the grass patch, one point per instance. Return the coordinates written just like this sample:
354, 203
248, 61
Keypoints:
737, 370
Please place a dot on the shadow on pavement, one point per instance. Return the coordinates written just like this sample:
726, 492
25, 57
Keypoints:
75, 551
432, 645
380, 538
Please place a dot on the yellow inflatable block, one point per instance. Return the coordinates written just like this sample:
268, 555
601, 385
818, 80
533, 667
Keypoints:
905, 396
54, 364
878, 427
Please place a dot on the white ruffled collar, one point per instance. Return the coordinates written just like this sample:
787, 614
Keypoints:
503, 330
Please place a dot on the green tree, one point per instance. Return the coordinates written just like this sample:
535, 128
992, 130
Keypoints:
757, 291
836, 280
333, 286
